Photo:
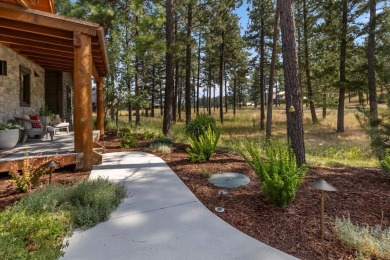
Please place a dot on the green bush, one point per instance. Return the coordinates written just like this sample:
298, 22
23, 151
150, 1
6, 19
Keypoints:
200, 125
36, 226
370, 242
161, 148
146, 135
203, 147
278, 172
385, 163
94, 200
162, 140
106, 122
128, 139
32, 236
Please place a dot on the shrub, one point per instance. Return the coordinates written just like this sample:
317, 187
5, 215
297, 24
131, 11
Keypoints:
128, 139
32, 171
36, 226
370, 242
160, 148
94, 200
203, 147
200, 125
8, 126
32, 236
162, 140
385, 163
146, 135
106, 122
279, 173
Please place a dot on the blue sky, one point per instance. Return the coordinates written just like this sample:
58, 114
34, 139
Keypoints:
242, 13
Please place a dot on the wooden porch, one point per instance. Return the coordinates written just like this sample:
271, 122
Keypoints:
62, 144
63, 44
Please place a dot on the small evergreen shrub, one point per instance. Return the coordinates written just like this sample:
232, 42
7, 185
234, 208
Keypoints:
277, 169
147, 135
128, 139
370, 242
160, 148
106, 122
385, 163
200, 125
162, 140
94, 200
35, 227
203, 147
32, 236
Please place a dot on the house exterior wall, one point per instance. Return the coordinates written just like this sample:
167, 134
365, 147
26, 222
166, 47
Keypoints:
10, 86
67, 85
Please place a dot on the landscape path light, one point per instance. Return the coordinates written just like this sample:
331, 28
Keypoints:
51, 165
322, 185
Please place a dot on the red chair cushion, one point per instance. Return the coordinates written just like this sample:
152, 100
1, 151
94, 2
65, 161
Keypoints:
35, 125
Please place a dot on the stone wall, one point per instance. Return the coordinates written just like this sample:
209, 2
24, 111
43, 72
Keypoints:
10, 86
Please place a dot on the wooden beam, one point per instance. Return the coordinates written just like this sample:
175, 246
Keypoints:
95, 73
100, 105
26, 49
32, 28
31, 55
22, 3
102, 43
67, 158
27, 36
47, 46
46, 19
82, 100
58, 69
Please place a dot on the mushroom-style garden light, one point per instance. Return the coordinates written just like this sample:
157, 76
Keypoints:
51, 165
322, 185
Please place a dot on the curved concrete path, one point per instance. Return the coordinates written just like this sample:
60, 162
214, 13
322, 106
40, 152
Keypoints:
160, 219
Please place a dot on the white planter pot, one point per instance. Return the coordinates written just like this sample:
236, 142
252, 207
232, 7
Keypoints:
9, 138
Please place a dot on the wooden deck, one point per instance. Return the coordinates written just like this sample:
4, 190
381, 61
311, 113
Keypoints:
63, 144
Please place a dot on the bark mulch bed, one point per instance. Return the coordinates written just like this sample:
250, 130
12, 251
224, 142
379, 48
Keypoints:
363, 194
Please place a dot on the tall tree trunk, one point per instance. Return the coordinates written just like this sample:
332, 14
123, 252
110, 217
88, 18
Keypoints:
226, 92
198, 78
168, 118
268, 130
234, 94
161, 94
307, 65
343, 56
209, 89
180, 91
174, 105
136, 90
261, 67
153, 97
293, 90
188, 65
221, 72
137, 114
324, 105
371, 68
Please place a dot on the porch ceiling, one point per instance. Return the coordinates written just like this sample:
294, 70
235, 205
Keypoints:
49, 39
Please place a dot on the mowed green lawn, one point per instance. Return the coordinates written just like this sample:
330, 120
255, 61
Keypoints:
324, 147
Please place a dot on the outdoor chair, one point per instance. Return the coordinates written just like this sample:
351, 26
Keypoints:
59, 124
34, 128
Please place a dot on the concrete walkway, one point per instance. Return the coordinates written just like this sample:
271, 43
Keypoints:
160, 219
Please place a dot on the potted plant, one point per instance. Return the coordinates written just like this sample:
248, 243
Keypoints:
9, 135
45, 115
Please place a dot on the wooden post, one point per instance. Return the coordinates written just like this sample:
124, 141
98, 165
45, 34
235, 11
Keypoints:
100, 105
82, 96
